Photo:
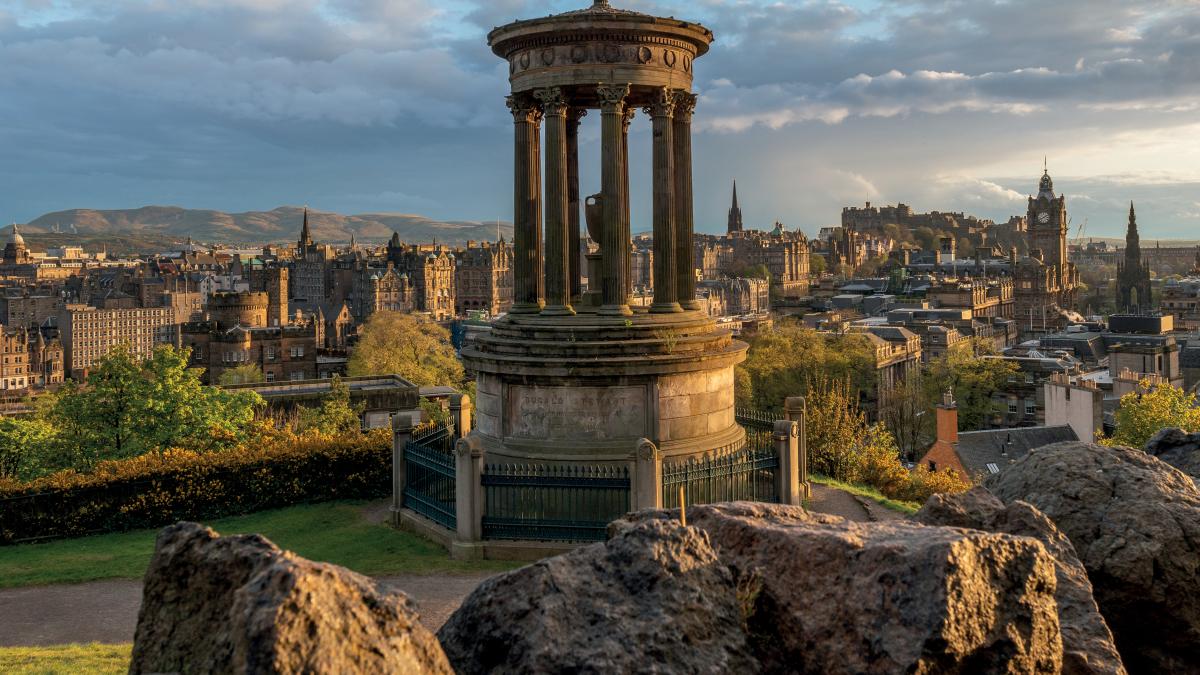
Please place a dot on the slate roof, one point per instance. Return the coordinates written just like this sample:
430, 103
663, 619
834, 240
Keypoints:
1001, 447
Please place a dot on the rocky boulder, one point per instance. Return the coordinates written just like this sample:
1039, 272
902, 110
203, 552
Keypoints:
1134, 522
1087, 642
654, 599
240, 604
824, 595
1177, 448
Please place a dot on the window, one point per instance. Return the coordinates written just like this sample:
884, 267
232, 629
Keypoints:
992, 468
1029, 378
1012, 406
1030, 407
270, 376
298, 375
270, 352
932, 465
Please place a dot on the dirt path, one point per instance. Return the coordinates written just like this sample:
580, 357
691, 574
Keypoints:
106, 611
837, 502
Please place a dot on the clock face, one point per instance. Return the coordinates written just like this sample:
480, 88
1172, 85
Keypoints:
1043, 217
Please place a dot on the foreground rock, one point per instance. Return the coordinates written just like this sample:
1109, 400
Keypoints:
1135, 523
824, 595
1087, 643
240, 604
1177, 448
655, 599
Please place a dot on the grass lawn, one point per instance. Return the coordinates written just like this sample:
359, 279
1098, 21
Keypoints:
335, 532
907, 508
91, 659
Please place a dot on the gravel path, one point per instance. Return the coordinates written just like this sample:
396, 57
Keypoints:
826, 499
106, 611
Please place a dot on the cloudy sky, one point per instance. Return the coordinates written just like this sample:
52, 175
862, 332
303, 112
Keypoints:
397, 105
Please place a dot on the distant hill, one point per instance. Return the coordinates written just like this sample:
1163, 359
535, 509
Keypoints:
282, 224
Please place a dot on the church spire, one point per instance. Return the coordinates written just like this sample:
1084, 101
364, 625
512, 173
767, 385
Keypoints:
735, 213
305, 234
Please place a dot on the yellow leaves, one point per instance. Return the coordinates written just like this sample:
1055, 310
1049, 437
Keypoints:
1150, 409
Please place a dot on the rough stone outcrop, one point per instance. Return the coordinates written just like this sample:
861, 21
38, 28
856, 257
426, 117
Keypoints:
239, 604
824, 595
654, 599
1179, 449
1087, 642
1135, 523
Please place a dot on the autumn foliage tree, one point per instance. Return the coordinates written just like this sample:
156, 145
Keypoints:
1150, 409
409, 345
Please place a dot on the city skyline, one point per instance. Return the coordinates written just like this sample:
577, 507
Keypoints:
393, 106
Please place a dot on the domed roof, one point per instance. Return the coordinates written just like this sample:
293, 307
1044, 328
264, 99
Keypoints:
17, 239
601, 8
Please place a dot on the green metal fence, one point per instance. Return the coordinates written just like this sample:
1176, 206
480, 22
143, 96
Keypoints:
744, 471
429, 473
553, 503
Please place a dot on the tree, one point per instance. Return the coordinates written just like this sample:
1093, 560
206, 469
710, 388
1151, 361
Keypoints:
906, 415
25, 445
816, 264
834, 427
128, 407
336, 415
972, 379
1151, 409
782, 362
409, 345
249, 373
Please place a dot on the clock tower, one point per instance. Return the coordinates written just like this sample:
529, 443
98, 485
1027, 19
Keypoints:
1047, 218
1046, 282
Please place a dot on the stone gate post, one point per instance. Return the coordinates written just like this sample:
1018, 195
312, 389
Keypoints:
787, 477
460, 414
794, 411
468, 490
646, 481
402, 426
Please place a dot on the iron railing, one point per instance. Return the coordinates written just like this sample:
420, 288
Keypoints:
745, 471
553, 503
429, 473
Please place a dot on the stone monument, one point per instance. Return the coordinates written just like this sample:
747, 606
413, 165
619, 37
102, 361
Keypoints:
575, 375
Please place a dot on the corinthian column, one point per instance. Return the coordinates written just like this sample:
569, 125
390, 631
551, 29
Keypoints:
665, 249
614, 244
558, 283
527, 217
626, 120
574, 115
685, 103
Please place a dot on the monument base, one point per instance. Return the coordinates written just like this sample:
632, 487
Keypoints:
587, 388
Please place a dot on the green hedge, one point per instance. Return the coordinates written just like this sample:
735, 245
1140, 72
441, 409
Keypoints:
153, 490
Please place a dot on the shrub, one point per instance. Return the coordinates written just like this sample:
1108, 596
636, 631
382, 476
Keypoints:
923, 483
153, 490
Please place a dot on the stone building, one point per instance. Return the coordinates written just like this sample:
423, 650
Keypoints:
734, 297
986, 298
431, 271
28, 360
309, 277
273, 281
484, 278
237, 333
1045, 282
29, 306
785, 254
1133, 274
89, 333
368, 286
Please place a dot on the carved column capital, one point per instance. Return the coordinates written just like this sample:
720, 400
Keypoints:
523, 110
575, 114
663, 104
552, 100
685, 105
612, 96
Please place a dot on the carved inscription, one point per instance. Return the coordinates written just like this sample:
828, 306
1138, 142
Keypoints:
577, 413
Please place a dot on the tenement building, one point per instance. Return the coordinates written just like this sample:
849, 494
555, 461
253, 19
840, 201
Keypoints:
431, 271
28, 360
309, 278
484, 277
89, 333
